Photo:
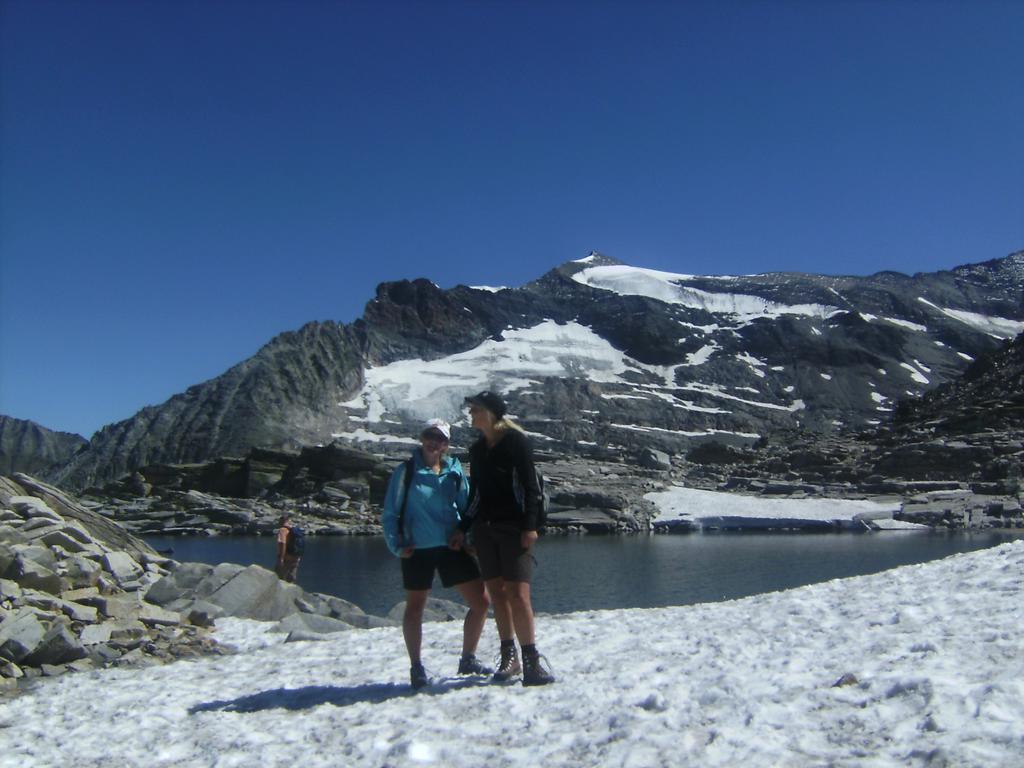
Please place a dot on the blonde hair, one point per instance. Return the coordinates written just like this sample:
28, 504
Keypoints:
506, 423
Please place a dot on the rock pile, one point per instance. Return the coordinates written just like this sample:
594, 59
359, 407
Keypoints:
71, 601
78, 592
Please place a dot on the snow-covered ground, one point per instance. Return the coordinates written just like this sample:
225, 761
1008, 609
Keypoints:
692, 505
932, 656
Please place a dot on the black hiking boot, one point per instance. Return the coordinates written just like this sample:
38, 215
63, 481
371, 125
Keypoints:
469, 664
508, 664
418, 676
536, 670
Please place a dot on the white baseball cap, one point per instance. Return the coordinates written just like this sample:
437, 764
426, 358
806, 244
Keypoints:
438, 425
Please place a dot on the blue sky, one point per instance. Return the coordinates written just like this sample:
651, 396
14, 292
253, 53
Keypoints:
181, 181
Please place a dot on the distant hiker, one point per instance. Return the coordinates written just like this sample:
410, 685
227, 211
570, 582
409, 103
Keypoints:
425, 499
290, 546
505, 502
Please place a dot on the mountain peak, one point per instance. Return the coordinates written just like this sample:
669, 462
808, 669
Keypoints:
595, 358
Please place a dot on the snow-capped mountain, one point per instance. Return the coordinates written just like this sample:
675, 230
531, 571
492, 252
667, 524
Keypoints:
596, 358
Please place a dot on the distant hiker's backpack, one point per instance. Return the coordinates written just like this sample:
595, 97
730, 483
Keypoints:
542, 505
296, 543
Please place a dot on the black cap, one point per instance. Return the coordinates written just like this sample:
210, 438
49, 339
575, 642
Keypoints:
489, 400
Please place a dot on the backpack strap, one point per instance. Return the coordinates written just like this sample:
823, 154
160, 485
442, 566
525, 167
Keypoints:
410, 468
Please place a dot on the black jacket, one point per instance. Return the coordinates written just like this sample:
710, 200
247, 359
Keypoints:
495, 474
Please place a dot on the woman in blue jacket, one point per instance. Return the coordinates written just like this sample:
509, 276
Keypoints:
421, 512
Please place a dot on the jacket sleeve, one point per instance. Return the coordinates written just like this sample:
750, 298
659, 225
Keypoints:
527, 475
392, 502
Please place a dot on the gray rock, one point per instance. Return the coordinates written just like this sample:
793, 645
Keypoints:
74, 595
11, 535
203, 614
86, 614
154, 615
308, 622
82, 572
37, 554
116, 606
122, 566
436, 610
32, 575
7, 560
256, 593
95, 634
58, 646
61, 538
31, 507
654, 459
10, 590
20, 635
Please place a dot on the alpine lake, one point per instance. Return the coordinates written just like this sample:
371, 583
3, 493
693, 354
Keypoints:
593, 572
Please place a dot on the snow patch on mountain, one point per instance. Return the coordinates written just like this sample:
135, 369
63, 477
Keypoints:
997, 327
665, 286
519, 361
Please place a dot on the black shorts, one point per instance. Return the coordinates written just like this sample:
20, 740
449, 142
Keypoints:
453, 566
500, 551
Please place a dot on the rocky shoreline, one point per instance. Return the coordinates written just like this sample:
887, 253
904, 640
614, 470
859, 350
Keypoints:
78, 592
969, 483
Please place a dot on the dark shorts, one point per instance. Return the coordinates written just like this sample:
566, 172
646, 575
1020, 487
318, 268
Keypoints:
453, 566
500, 552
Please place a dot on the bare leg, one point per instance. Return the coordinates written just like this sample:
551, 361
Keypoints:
412, 622
517, 595
502, 608
476, 598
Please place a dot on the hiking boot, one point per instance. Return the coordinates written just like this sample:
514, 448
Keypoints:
418, 676
469, 664
536, 670
508, 665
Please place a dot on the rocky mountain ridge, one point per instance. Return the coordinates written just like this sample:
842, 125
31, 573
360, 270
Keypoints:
598, 360
28, 447
953, 458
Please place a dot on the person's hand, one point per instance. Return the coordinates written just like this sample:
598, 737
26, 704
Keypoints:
457, 539
407, 552
527, 539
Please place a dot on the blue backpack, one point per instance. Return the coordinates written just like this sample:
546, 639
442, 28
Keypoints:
296, 543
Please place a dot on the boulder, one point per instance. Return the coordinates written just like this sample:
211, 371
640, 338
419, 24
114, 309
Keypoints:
203, 614
32, 575
86, 614
154, 615
256, 593
11, 535
82, 572
654, 459
95, 634
58, 646
20, 635
10, 590
61, 537
37, 554
121, 566
436, 610
308, 622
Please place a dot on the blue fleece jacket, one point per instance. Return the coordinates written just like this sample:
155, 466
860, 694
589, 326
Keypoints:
433, 510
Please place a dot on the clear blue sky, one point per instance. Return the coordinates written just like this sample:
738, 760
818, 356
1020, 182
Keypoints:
181, 181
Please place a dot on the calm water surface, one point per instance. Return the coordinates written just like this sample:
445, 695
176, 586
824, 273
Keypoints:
592, 572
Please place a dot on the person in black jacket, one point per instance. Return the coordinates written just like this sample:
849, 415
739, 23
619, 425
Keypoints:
504, 499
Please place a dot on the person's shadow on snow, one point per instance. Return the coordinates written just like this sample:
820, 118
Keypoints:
340, 696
